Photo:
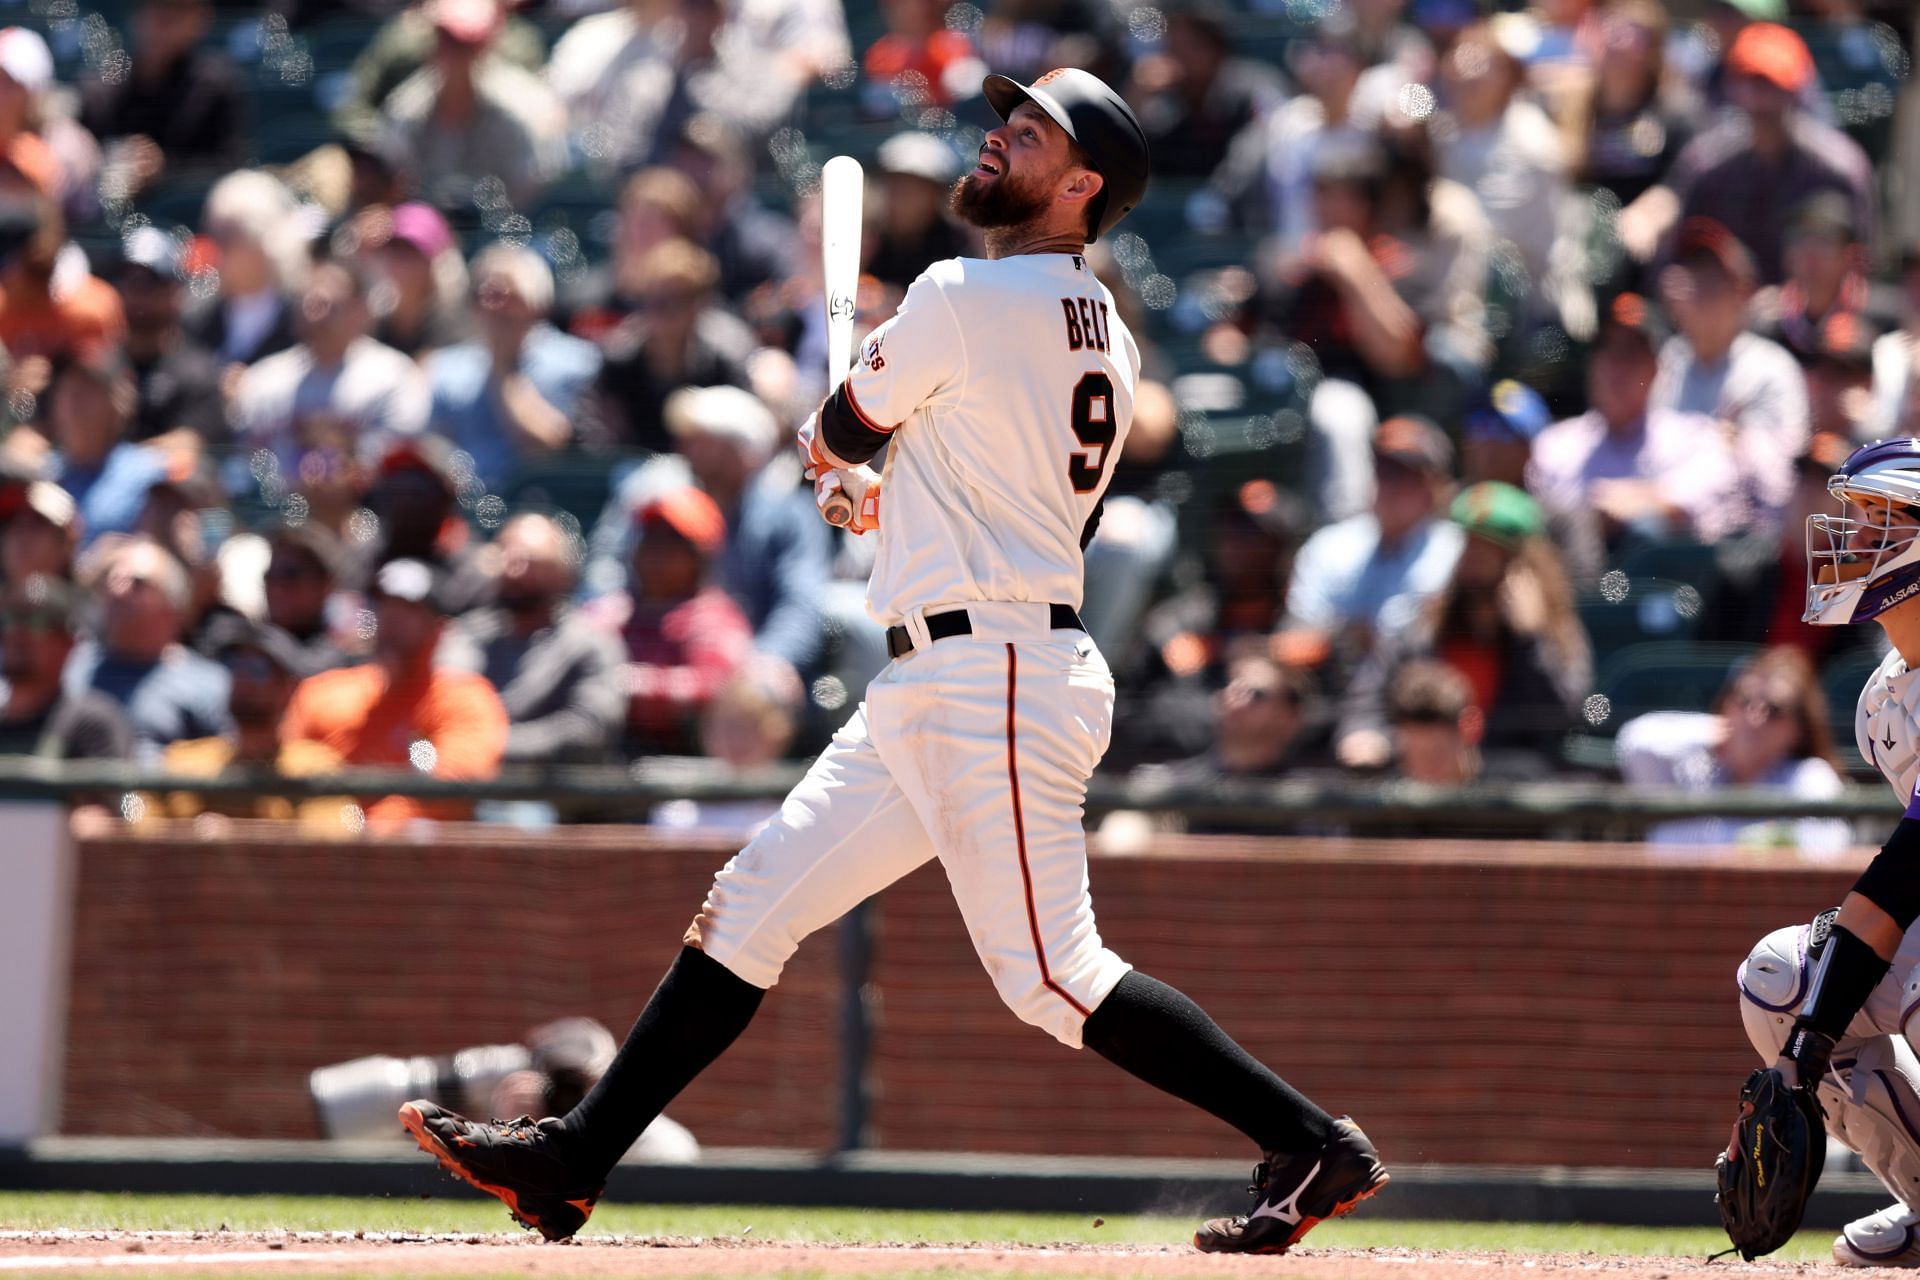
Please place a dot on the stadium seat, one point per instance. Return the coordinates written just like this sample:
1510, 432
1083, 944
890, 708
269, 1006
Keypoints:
576, 483
1661, 675
1668, 563
1644, 616
1667, 675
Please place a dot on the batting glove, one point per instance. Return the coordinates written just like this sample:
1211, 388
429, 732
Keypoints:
862, 485
815, 457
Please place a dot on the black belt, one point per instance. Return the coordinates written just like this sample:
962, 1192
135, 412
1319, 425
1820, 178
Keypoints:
955, 622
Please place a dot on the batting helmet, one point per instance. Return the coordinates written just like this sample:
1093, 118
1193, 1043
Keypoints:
1096, 118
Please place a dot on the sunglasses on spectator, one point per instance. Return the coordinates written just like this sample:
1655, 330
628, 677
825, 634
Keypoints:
1769, 710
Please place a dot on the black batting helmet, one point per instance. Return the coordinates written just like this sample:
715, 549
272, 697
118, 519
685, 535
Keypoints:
1096, 118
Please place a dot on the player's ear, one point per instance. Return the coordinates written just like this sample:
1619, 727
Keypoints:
1082, 186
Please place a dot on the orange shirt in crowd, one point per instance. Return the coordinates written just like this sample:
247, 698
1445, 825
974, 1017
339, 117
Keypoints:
368, 719
83, 313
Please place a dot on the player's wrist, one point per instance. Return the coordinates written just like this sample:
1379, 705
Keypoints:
1807, 1056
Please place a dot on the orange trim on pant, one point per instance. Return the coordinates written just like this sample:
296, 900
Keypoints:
1020, 840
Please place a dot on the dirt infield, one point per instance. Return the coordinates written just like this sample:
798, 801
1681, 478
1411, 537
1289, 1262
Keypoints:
339, 1253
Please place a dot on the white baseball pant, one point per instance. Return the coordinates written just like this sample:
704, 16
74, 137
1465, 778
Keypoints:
1872, 1095
975, 750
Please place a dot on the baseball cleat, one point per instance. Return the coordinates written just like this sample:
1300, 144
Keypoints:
514, 1161
1294, 1194
1889, 1238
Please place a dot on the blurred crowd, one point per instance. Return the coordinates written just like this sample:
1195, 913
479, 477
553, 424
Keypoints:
410, 385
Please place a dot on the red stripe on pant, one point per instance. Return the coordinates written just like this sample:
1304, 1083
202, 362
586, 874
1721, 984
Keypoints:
1020, 840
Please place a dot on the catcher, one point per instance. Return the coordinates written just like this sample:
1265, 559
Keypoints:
1830, 1003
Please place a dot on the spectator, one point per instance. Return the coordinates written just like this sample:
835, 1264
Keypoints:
1749, 172
509, 396
176, 110
1895, 352
1826, 279
558, 675
399, 711
913, 230
89, 409
777, 551
1769, 730
753, 60
1840, 377
415, 500
1390, 294
1368, 576
1233, 606
1436, 727
680, 337
39, 620
750, 721
750, 242
1498, 440
617, 74
337, 374
176, 380
920, 61
38, 135
1634, 124
255, 229
184, 512
1759, 587
1716, 366
1268, 174
684, 636
50, 304
167, 691
39, 531
1260, 718
1194, 95
1505, 621
656, 205
1861, 65
465, 116
263, 669
1502, 147
403, 46
304, 567
422, 278
1643, 469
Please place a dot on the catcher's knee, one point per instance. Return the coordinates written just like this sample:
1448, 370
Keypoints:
1773, 982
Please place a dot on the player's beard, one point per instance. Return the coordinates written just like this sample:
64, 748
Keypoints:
1003, 202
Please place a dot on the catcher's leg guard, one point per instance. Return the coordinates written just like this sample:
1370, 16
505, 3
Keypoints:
1872, 1095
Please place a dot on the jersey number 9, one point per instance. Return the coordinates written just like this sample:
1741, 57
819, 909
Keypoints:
1093, 426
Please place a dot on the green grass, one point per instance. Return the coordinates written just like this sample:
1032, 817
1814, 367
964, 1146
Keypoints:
81, 1212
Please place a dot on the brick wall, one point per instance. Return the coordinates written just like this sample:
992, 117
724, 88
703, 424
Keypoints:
1530, 1004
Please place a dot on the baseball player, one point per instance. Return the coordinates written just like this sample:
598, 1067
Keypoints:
1832, 1003
1005, 387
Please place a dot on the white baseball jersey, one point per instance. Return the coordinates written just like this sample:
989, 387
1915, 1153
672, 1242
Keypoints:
1003, 389
1886, 725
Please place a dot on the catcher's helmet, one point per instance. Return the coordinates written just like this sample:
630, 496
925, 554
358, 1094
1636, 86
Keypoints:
1861, 564
1096, 118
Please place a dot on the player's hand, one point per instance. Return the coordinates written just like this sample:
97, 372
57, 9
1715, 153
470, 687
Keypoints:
815, 457
862, 485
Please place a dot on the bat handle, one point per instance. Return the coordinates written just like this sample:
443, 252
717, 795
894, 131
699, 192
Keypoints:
837, 510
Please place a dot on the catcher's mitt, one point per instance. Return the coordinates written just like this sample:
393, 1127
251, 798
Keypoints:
1769, 1169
